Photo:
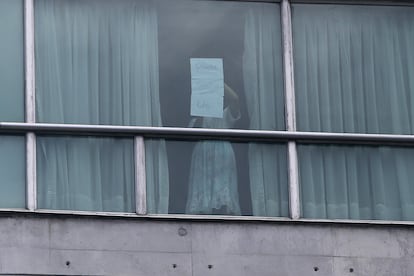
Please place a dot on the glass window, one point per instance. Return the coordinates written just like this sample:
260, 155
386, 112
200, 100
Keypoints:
155, 63
354, 68
209, 64
217, 178
12, 171
85, 173
11, 61
356, 182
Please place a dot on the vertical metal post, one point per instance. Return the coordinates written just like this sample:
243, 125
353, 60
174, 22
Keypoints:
30, 104
290, 108
294, 193
140, 177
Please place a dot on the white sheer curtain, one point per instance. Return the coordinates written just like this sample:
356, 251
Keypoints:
263, 83
89, 174
353, 72
97, 63
357, 182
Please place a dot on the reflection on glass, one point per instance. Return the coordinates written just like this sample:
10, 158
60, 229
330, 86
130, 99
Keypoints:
222, 178
356, 182
354, 68
11, 61
128, 62
12, 172
85, 173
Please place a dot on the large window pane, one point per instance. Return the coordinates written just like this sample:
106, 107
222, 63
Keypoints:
11, 61
218, 178
246, 36
12, 171
356, 182
128, 62
84, 173
354, 68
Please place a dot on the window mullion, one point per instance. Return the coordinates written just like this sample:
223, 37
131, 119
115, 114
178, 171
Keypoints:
30, 104
290, 109
31, 201
140, 176
293, 171
288, 66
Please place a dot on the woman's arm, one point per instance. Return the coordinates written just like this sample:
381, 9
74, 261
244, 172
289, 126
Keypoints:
232, 100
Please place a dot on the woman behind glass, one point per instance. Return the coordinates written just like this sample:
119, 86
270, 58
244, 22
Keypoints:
213, 173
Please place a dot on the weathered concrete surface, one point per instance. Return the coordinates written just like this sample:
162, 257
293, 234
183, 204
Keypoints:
70, 245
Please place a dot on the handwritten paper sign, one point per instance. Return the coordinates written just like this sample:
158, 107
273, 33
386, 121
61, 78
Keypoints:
207, 87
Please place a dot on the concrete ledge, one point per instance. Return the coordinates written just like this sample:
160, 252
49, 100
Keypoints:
50, 244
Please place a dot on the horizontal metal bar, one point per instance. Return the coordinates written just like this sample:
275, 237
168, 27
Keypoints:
357, 2
279, 219
85, 213
205, 133
264, 1
235, 1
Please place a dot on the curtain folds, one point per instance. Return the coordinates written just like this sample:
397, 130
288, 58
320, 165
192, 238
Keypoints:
357, 182
96, 63
263, 83
353, 68
88, 174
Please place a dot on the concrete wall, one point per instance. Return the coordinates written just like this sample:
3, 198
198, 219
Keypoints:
73, 245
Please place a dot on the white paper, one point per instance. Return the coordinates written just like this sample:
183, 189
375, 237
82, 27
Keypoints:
206, 68
207, 87
206, 106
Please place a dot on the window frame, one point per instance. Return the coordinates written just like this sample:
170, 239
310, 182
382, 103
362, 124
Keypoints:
290, 136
